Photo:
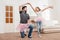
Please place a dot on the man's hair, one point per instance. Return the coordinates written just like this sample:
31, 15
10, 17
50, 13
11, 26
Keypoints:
24, 7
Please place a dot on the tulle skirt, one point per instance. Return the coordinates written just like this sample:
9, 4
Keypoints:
22, 27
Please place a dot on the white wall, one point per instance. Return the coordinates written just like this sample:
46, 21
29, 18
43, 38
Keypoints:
9, 27
56, 10
4, 28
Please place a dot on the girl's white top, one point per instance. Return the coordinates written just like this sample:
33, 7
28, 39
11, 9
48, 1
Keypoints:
39, 16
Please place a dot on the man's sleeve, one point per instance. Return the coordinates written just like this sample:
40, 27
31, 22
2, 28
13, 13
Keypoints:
28, 17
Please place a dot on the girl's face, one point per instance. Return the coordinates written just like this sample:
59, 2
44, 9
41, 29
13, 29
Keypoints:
37, 9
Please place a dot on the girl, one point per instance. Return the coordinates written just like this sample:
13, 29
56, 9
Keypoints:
38, 20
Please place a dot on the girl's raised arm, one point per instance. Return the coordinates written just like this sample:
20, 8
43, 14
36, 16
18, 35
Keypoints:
47, 8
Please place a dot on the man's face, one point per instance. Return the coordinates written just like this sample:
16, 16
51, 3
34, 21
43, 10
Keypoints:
25, 9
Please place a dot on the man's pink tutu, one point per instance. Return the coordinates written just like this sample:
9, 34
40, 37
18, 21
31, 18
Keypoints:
22, 27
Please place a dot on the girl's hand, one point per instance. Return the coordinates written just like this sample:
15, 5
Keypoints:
47, 8
51, 7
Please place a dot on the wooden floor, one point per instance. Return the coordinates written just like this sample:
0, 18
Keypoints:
16, 36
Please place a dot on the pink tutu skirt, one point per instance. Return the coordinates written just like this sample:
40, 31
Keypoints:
22, 27
38, 19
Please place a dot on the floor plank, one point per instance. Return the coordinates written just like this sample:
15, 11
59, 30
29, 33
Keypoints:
16, 36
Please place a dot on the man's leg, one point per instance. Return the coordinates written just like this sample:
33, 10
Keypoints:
30, 31
25, 32
22, 34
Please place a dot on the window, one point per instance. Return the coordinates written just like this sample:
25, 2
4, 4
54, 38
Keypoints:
9, 14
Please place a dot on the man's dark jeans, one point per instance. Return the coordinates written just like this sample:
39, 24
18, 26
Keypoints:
30, 32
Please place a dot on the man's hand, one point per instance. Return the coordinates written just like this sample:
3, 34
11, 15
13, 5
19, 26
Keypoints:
29, 3
24, 4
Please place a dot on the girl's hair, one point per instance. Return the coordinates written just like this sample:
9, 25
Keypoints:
38, 8
24, 7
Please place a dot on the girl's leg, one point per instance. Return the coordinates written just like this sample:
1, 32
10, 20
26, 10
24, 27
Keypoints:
39, 28
40, 24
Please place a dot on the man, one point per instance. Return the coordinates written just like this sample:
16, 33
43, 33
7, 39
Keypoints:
24, 17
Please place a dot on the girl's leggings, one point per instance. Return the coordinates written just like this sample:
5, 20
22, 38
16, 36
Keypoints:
39, 24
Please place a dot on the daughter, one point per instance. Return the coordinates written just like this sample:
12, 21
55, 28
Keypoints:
39, 18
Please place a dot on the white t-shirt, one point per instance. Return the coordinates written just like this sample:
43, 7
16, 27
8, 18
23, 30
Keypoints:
39, 16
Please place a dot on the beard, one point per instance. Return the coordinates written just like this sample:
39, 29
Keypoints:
25, 11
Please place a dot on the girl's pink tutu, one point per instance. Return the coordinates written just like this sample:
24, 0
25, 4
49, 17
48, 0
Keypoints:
38, 19
22, 27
